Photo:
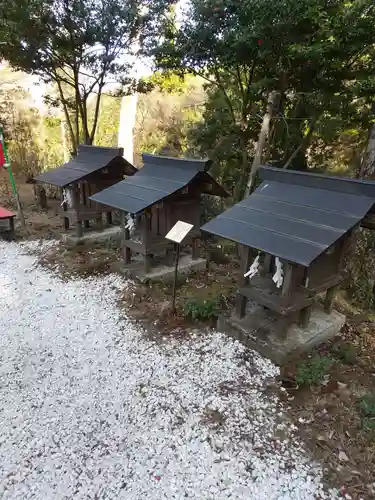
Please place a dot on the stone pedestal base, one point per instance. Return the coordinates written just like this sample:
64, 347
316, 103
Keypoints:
160, 272
114, 233
259, 331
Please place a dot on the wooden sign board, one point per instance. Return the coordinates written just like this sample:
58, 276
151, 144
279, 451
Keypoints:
179, 231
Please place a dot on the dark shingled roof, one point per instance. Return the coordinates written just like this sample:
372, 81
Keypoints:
160, 177
88, 160
295, 216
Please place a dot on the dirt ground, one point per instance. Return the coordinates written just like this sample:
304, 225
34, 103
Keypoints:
39, 224
328, 414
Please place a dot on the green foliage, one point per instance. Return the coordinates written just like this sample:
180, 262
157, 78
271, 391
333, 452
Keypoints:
313, 371
359, 270
81, 46
169, 82
345, 352
367, 408
164, 120
318, 56
201, 309
368, 423
107, 131
367, 405
34, 141
216, 136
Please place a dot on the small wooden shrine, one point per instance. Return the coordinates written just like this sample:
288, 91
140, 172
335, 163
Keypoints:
93, 169
162, 192
294, 230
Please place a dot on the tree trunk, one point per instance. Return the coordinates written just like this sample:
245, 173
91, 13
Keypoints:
262, 139
367, 169
73, 137
238, 193
76, 118
63, 139
96, 113
301, 149
298, 111
84, 118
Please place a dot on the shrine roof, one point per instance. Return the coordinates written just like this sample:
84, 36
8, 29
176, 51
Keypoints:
295, 215
159, 177
89, 159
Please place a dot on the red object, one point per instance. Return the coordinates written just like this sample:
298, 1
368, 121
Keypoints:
5, 214
260, 42
157, 478
2, 157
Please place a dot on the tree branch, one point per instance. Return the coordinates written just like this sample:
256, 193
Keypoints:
303, 144
222, 88
67, 117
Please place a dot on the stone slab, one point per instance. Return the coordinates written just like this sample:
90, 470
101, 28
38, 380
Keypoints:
110, 233
163, 272
259, 331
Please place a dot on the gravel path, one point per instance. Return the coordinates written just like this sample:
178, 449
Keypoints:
90, 409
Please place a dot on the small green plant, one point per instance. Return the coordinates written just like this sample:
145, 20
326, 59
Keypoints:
367, 405
346, 352
313, 371
201, 309
368, 424
367, 408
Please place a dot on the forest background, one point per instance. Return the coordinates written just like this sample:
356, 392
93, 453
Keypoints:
218, 66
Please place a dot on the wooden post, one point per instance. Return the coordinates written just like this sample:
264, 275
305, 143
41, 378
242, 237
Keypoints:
76, 196
245, 264
126, 250
65, 209
287, 281
109, 218
169, 256
146, 237
147, 262
79, 230
41, 197
11, 226
305, 316
240, 305
195, 248
83, 192
267, 264
240, 299
177, 248
329, 299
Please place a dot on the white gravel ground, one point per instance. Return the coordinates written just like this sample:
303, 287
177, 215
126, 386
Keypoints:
90, 409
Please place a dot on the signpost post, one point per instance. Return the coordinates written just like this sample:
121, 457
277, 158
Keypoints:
177, 234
